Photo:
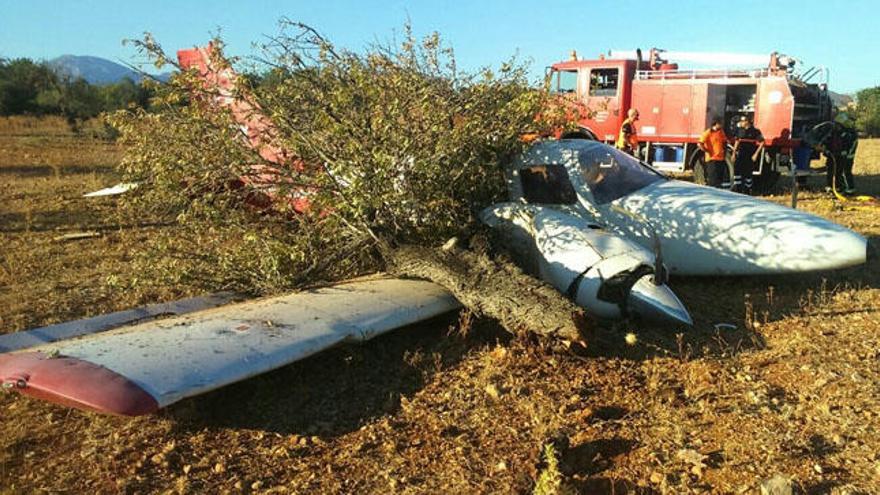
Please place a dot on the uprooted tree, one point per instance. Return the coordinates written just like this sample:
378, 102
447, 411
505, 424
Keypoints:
398, 147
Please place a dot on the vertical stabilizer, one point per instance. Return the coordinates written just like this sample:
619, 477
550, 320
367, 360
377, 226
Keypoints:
221, 82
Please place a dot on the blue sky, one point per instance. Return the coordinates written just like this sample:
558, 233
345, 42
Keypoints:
842, 35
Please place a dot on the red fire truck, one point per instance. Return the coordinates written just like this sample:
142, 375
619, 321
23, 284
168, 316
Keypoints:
677, 105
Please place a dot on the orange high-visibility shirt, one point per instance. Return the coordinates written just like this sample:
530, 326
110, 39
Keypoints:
627, 136
714, 143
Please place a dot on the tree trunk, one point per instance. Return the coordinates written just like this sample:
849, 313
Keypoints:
494, 288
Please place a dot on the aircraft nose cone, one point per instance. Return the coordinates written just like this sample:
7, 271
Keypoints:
657, 303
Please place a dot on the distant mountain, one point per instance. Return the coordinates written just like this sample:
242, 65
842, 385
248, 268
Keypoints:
95, 70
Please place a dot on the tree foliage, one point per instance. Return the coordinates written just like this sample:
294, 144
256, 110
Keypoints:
868, 111
21, 84
28, 87
399, 147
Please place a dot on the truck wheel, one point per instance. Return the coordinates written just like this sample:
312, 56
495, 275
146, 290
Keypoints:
578, 134
699, 168
699, 172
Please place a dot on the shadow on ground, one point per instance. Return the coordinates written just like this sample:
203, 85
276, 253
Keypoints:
337, 391
23, 171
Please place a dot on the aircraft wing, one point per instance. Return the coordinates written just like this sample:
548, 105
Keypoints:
139, 369
17, 341
121, 188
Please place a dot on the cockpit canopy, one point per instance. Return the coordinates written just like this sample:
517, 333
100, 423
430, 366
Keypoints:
553, 172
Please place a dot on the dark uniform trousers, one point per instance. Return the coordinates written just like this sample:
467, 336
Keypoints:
715, 172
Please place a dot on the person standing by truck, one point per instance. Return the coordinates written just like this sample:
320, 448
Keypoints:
837, 140
627, 139
713, 142
844, 141
746, 148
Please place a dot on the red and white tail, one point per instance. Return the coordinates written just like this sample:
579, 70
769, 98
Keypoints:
260, 132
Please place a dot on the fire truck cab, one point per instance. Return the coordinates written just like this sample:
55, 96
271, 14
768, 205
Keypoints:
676, 106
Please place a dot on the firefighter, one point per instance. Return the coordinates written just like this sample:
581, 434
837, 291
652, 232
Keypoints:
747, 146
628, 140
840, 154
713, 142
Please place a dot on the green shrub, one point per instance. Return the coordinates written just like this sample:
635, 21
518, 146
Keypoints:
400, 146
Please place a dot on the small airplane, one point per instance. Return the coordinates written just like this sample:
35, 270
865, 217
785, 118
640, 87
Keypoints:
597, 224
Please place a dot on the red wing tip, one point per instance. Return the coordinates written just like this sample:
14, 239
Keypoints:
74, 382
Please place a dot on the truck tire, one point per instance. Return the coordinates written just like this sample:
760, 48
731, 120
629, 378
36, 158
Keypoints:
579, 134
699, 167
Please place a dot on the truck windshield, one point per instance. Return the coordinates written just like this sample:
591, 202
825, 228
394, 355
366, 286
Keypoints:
611, 174
565, 81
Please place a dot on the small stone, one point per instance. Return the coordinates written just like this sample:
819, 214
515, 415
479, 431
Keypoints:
187, 468
656, 478
239, 485
777, 485
499, 353
585, 414
256, 485
450, 244
219, 468
501, 466
157, 459
492, 390
817, 468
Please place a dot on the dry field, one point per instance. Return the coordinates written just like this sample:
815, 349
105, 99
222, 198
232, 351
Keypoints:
454, 406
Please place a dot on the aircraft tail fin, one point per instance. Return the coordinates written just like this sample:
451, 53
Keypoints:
260, 132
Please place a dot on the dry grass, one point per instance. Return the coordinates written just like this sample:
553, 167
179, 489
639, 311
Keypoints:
44, 174
794, 389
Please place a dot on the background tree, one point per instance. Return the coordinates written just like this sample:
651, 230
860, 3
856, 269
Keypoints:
21, 82
868, 111
28, 87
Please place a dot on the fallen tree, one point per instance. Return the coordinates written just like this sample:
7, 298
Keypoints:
495, 288
401, 149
